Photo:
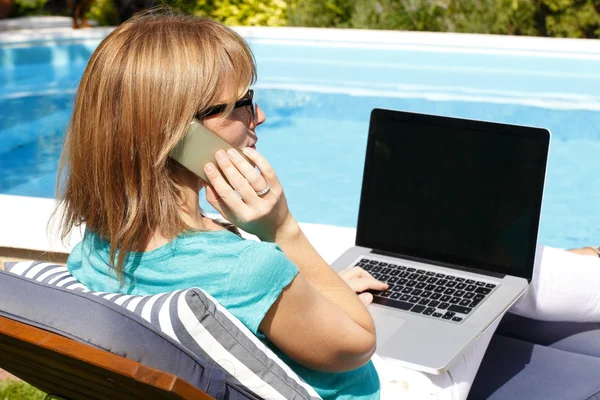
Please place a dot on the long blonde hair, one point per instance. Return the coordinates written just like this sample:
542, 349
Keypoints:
140, 90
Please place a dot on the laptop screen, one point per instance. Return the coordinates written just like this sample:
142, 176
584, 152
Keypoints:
452, 191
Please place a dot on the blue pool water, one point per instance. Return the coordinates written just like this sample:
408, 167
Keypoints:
318, 100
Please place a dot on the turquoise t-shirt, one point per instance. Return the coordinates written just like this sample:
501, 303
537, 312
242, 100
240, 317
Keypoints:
245, 276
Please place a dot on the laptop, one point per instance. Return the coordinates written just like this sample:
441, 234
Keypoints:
449, 217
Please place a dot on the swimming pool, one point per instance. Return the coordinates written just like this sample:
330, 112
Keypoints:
318, 94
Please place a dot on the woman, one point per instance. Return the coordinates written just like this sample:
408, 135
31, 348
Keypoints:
146, 233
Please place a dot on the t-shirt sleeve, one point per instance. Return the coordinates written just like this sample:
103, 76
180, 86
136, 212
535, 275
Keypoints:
263, 271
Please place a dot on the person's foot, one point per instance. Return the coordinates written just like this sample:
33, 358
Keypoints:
587, 251
84, 23
75, 25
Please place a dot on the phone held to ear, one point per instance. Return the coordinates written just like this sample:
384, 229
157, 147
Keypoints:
198, 147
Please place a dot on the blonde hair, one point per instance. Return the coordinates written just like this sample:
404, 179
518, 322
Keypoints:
139, 92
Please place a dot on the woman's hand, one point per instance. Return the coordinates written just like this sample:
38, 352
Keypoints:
265, 216
360, 280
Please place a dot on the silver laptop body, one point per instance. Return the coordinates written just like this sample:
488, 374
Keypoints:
454, 200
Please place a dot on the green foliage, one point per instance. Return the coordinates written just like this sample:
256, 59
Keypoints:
29, 7
18, 390
104, 13
569, 18
236, 12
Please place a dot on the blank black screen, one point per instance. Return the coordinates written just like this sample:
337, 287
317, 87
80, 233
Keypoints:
453, 191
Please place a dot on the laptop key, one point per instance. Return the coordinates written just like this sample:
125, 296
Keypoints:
434, 303
430, 273
376, 269
439, 289
386, 293
482, 290
394, 272
444, 306
422, 278
461, 286
442, 282
405, 297
424, 302
421, 285
451, 284
396, 288
420, 271
448, 315
402, 281
469, 295
407, 289
430, 287
401, 267
426, 294
440, 275
404, 274
490, 286
376, 276
392, 279
383, 277
416, 292
392, 266
479, 283
474, 303
464, 303
411, 283
383, 264
395, 296
411, 269
386, 270
435, 296
437, 314
449, 291
414, 299
456, 319
403, 305
479, 297
454, 300
365, 260
470, 288
373, 262
414, 276
445, 298
459, 309
470, 281
429, 311
417, 309
458, 293
450, 277
366, 267
432, 280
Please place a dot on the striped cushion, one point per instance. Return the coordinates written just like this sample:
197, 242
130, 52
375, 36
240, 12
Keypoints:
198, 322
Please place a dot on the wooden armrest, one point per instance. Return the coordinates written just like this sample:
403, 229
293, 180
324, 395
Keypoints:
64, 367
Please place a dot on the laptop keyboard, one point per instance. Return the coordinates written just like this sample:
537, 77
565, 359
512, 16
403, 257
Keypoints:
446, 297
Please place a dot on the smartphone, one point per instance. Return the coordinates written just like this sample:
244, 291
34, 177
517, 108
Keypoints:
198, 147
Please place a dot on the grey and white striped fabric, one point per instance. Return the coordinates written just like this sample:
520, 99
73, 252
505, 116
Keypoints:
198, 322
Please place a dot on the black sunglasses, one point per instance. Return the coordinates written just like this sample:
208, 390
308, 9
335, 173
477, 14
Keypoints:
246, 101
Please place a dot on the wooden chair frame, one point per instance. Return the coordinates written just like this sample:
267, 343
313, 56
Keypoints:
67, 369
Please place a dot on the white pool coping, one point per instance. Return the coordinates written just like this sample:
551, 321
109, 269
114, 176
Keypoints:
24, 223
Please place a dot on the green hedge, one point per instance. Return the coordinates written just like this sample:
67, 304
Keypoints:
558, 18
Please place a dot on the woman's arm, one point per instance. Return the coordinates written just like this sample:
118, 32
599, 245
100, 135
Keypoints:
330, 308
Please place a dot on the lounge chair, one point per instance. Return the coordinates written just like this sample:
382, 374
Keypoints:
76, 344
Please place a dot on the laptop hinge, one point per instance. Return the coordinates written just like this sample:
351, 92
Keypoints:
441, 264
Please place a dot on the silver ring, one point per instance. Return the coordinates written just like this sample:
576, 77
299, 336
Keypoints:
264, 191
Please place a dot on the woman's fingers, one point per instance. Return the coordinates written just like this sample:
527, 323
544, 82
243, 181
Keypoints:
360, 280
366, 298
265, 168
251, 176
222, 189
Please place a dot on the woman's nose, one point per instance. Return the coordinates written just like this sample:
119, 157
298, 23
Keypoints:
260, 116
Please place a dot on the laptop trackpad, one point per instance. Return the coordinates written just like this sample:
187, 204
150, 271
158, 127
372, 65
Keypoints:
387, 323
